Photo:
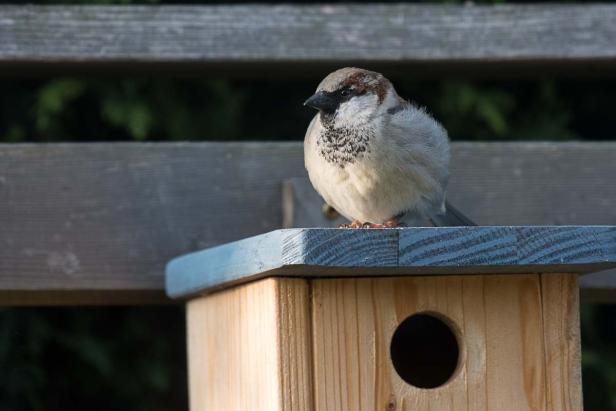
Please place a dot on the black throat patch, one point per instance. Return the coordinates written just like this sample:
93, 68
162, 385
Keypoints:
342, 146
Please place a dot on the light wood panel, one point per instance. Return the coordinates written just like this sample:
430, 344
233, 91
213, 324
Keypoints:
561, 318
249, 348
500, 321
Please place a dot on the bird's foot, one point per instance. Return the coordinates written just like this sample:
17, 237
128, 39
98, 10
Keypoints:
391, 223
353, 224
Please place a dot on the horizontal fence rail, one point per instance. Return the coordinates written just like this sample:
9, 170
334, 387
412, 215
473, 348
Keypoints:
244, 34
96, 223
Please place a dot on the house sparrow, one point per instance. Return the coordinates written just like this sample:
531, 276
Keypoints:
377, 159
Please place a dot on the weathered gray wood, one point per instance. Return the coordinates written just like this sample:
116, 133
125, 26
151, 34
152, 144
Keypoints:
510, 184
107, 217
322, 252
97, 219
598, 287
248, 34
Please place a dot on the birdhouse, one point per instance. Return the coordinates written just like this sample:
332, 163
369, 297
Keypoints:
452, 318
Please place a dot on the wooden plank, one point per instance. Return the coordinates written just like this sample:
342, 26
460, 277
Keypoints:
598, 287
103, 218
561, 327
563, 35
499, 324
514, 338
249, 348
275, 252
327, 252
502, 246
108, 217
408, 251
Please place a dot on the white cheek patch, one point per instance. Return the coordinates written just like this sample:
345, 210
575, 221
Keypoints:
358, 110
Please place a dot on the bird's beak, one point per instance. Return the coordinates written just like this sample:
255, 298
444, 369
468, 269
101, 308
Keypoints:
322, 101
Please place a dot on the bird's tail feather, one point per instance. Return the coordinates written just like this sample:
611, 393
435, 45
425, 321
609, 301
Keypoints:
451, 218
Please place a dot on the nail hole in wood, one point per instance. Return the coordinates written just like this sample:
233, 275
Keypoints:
424, 351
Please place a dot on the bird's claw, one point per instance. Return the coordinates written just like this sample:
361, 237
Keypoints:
353, 224
391, 223
373, 225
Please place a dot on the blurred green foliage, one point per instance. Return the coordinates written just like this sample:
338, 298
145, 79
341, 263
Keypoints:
134, 358
85, 358
599, 356
155, 109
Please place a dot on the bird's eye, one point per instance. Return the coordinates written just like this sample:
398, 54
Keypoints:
346, 92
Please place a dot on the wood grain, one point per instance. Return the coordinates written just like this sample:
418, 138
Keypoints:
103, 218
561, 325
325, 252
500, 322
323, 345
249, 348
244, 34
108, 217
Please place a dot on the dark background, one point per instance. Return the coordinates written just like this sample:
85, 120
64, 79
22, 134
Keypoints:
133, 358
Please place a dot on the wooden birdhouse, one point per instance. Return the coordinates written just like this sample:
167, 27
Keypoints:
462, 318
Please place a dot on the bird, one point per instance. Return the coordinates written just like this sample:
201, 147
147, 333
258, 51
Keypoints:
376, 158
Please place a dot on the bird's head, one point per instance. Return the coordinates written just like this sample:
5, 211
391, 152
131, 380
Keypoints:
352, 97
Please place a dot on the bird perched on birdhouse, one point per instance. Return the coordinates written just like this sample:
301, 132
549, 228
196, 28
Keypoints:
373, 156
454, 318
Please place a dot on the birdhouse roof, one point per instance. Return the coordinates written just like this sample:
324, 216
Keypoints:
323, 252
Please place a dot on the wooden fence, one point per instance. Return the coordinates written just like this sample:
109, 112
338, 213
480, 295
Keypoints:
267, 40
96, 223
